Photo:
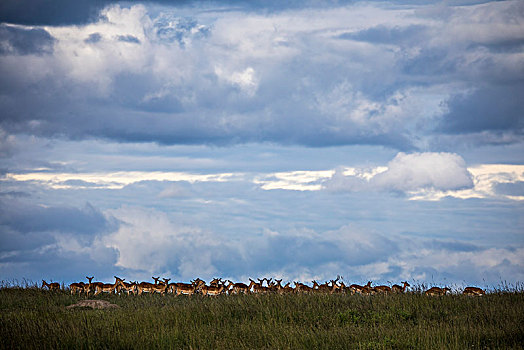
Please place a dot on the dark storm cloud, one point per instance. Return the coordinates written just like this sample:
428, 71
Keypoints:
24, 217
65, 12
50, 12
23, 41
493, 108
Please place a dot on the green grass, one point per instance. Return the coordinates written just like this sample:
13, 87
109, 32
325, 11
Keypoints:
31, 318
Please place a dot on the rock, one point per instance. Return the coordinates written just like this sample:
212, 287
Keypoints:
94, 304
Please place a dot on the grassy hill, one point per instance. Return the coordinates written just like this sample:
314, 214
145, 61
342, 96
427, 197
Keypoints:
31, 318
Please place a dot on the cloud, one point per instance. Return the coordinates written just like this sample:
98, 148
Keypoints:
128, 39
411, 172
24, 41
49, 12
406, 173
382, 34
53, 242
25, 217
93, 38
149, 241
495, 108
241, 76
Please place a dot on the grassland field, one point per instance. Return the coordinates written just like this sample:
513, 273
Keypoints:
33, 318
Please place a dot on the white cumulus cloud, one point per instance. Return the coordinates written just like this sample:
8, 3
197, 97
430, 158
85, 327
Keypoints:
411, 172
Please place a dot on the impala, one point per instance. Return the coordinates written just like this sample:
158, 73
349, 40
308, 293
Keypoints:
129, 288
151, 288
268, 288
216, 282
240, 288
302, 288
109, 288
398, 289
436, 291
257, 287
215, 290
382, 289
165, 281
287, 289
52, 286
283, 290
357, 288
185, 288
325, 287
77, 288
92, 286
474, 291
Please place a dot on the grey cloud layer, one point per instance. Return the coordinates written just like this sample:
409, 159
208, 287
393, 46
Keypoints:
147, 74
148, 241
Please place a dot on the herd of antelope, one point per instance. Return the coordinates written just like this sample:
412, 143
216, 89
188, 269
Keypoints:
218, 286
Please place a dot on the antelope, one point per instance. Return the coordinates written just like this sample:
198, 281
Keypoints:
129, 288
261, 288
162, 283
282, 290
52, 286
398, 289
474, 291
186, 288
92, 285
436, 291
216, 282
257, 287
151, 288
87, 287
325, 287
240, 288
357, 288
109, 288
382, 289
76, 288
342, 288
215, 290
302, 288
286, 289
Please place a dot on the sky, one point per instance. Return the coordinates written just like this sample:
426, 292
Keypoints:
378, 141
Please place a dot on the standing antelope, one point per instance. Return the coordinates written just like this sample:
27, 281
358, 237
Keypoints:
186, 288
240, 288
215, 290
382, 289
77, 288
357, 288
151, 288
129, 288
398, 289
436, 291
302, 288
108, 287
257, 287
92, 286
52, 286
474, 291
